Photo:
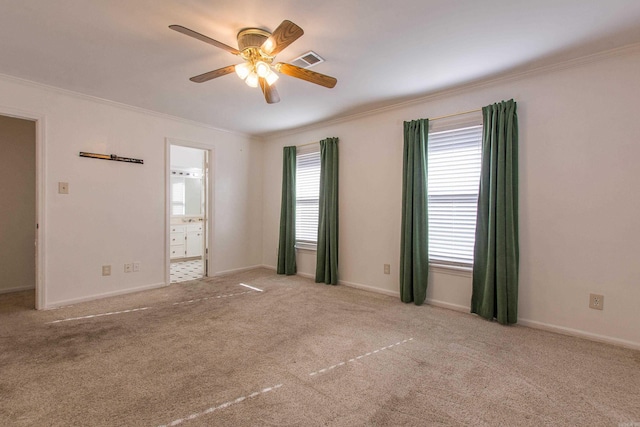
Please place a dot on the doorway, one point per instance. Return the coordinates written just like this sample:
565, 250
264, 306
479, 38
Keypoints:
188, 213
18, 214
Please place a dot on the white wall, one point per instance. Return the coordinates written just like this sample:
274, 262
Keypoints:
579, 231
186, 157
17, 204
115, 212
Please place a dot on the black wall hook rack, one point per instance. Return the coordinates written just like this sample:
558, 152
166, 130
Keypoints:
111, 157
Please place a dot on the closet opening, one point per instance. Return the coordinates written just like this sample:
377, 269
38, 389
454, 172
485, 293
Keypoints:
18, 217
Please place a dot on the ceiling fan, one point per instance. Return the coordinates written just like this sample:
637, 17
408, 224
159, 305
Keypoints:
258, 48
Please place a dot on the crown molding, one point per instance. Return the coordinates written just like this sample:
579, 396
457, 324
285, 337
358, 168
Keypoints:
434, 96
85, 97
479, 84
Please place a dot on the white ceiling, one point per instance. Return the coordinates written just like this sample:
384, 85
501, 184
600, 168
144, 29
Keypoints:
381, 51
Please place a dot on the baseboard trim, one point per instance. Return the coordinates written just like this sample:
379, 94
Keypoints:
236, 270
579, 333
57, 304
346, 283
18, 289
448, 305
373, 289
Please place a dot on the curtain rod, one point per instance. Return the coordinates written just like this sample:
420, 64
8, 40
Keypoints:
309, 143
435, 118
456, 114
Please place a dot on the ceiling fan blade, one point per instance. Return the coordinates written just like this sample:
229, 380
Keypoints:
213, 74
202, 37
286, 33
304, 74
270, 92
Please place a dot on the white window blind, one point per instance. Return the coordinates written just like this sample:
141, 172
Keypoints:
307, 196
454, 161
178, 201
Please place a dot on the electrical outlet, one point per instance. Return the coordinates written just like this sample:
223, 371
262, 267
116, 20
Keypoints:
63, 188
596, 301
106, 270
387, 269
136, 266
128, 268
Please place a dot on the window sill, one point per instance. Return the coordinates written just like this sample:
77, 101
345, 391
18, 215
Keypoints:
310, 247
456, 270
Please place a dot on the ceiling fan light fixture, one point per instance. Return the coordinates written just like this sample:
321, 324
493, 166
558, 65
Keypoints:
262, 69
268, 45
271, 78
243, 70
252, 80
258, 48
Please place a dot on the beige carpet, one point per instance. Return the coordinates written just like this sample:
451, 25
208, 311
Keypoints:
214, 353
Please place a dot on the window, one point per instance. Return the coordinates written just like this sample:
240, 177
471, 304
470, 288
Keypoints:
454, 161
307, 196
177, 196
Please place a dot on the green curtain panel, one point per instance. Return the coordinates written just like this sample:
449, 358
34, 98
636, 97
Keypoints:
496, 252
327, 254
287, 243
414, 250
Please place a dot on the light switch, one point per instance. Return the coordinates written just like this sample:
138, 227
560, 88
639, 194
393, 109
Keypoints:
63, 188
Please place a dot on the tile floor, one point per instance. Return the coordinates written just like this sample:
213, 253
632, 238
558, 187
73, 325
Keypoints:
186, 270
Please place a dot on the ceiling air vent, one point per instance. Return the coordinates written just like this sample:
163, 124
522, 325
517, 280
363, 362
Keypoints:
307, 60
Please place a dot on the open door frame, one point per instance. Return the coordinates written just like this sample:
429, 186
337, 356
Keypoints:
209, 185
40, 243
